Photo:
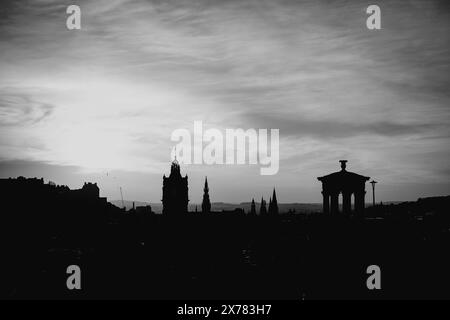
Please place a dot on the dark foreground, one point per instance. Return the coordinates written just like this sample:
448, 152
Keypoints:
45, 228
225, 257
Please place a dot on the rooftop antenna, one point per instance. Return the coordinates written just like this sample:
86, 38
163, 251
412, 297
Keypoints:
373, 190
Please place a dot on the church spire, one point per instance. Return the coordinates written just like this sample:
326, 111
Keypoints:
273, 207
263, 210
206, 204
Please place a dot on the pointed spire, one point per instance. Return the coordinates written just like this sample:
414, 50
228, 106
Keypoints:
263, 210
273, 207
206, 189
206, 203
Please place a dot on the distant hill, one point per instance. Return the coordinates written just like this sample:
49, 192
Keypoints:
219, 206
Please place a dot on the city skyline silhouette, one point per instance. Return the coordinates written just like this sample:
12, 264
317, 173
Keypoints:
100, 103
229, 254
224, 150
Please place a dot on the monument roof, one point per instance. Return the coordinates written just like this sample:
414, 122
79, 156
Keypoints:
342, 175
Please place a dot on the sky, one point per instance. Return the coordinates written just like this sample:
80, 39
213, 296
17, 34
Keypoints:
100, 103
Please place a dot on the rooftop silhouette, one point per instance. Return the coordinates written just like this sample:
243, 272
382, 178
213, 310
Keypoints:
231, 254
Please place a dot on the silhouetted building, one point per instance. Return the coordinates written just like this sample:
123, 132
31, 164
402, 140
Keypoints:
37, 187
206, 204
347, 184
273, 204
143, 210
89, 190
175, 191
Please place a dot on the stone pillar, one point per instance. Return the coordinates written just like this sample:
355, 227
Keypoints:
359, 202
347, 203
335, 203
363, 202
326, 202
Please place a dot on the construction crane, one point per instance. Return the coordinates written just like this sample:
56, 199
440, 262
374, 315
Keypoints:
121, 195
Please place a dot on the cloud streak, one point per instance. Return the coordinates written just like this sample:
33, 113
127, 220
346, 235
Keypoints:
107, 97
22, 109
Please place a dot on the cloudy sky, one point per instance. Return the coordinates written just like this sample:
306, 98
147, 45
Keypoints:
100, 104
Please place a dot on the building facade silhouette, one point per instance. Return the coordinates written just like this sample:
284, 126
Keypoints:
175, 192
346, 183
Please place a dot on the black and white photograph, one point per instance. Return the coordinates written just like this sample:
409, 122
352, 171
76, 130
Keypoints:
224, 156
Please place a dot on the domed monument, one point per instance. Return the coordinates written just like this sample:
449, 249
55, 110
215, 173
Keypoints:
345, 183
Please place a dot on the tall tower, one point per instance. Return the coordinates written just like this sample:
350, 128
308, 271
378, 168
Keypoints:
175, 192
206, 204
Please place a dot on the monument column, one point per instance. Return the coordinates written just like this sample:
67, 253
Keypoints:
359, 202
326, 202
335, 203
347, 202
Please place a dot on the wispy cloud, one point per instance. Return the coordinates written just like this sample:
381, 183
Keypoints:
109, 95
21, 109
